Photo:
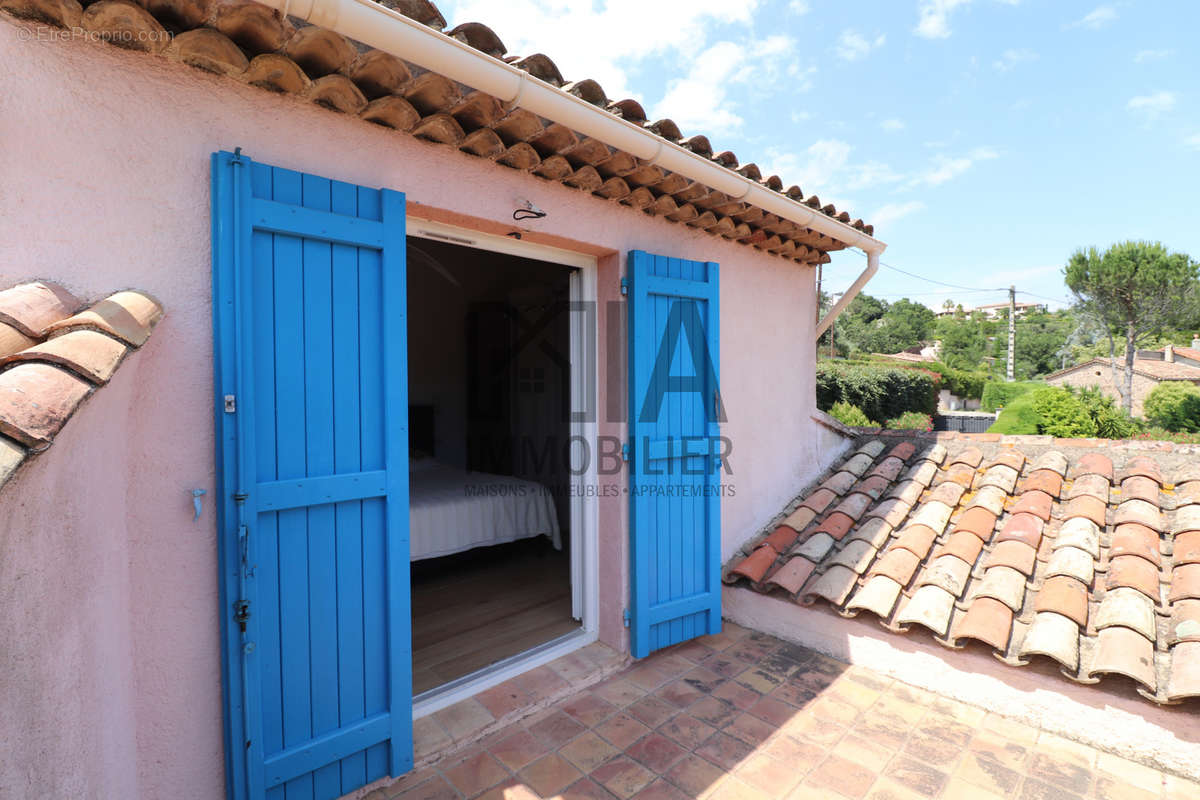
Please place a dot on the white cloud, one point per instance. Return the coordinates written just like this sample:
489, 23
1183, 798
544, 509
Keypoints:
1193, 141
799, 7
892, 124
1152, 55
1096, 18
852, 45
933, 17
892, 212
946, 168
606, 37
1152, 104
1011, 58
700, 101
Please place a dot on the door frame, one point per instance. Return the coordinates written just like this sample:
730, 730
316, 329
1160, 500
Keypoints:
585, 573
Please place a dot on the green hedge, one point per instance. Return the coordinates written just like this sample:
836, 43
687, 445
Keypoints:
881, 393
999, 393
960, 382
850, 415
1175, 406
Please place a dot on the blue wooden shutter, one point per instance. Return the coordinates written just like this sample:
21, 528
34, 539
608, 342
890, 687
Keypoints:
311, 348
675, 502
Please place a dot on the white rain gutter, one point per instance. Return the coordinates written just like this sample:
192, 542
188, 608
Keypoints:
372, 24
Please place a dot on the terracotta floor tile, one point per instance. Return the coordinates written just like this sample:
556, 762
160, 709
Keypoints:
846, 777
888, 789
1131, 772
1066, 748
589, 708
817, 730
885, 730
1010, 729
758, 679
1175, 788
854, 692
985, 770
1063, 773
724, 750
1110, 788
861, 751
737, 694
585, 789
672, 664
549, 775
465, 719
725, 665
938, 740
773, 711
503, 699
647, 677
679, 694
1034, 789
693, 650
733, 788
428, 737
555, 728
511, 789
472, 775
623, 777
660, 790
714, 711
835, 710
799, 754
622, 730
968, 715
769, 775
750, 729
694, 775
540, 683
686, 731
618, 691
518, 749
588, 751
434, 788
655, 751
958, 789
651, 711
915, 775
996, 749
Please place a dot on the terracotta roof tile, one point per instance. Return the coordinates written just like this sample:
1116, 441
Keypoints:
1044, 480
1022, 527
792, 575
903, 451
871, 448
978, 521
1144, 466
1081, 533
1093, 464
1133, 539
935, 453
1134, 573
88, 354
36, 400
930, 606
1096, 486
1055, 636
11, 456
1034, 502
755, 566
840, 482
129, 316
1035, 575
987, 620
1066, 596
878, 595
1012, 554
1088, 507
889, 468
854, 505
32, 307
1072, 562
781, 539
858, 464
1122, 651
12, 340
1141, 512
799, 519
819, 500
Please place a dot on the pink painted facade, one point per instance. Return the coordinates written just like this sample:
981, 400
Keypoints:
110, 623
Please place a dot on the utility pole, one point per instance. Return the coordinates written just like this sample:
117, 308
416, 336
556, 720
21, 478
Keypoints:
1012, 328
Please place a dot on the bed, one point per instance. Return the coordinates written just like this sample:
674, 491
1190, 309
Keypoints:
451, 510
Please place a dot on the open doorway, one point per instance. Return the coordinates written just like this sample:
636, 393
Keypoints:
492, 513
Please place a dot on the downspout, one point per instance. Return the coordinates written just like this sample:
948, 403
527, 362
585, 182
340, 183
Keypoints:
376, 25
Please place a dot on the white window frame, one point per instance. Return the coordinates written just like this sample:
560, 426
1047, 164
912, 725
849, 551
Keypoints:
585, 590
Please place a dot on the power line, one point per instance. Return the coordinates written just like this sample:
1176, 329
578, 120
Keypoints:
931, 280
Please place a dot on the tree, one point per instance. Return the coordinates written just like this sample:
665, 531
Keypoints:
1134, 290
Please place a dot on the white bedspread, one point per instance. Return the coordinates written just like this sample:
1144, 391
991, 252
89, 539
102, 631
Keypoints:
451, 511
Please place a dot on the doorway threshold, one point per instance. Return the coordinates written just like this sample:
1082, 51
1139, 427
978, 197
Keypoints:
467, 686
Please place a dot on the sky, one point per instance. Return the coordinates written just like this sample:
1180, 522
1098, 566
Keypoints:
986, 140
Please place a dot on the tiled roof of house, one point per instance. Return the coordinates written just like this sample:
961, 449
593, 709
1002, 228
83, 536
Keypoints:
1148, 367
1042, 550
255, 44
54, 352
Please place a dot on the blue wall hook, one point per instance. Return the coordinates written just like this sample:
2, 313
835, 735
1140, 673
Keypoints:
196, 495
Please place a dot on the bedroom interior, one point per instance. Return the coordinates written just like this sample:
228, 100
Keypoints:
490, 500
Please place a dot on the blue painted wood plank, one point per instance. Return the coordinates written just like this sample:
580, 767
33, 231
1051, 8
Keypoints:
327, 748
294, 220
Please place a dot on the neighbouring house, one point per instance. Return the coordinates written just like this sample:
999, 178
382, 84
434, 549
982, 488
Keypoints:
1075, 561
994, 310
917, 354
464, 368
1149, 370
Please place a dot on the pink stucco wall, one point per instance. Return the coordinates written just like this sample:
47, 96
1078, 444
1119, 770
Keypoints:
110, 617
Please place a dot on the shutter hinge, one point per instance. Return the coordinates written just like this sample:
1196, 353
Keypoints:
627, 617
230, 404
625, 451
624, 286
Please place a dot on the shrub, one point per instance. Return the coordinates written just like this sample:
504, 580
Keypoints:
850, 415
1174, 406
911, 421
1111, 422
1061, 413
879, 392
1016, 419
999, 393
960, 382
